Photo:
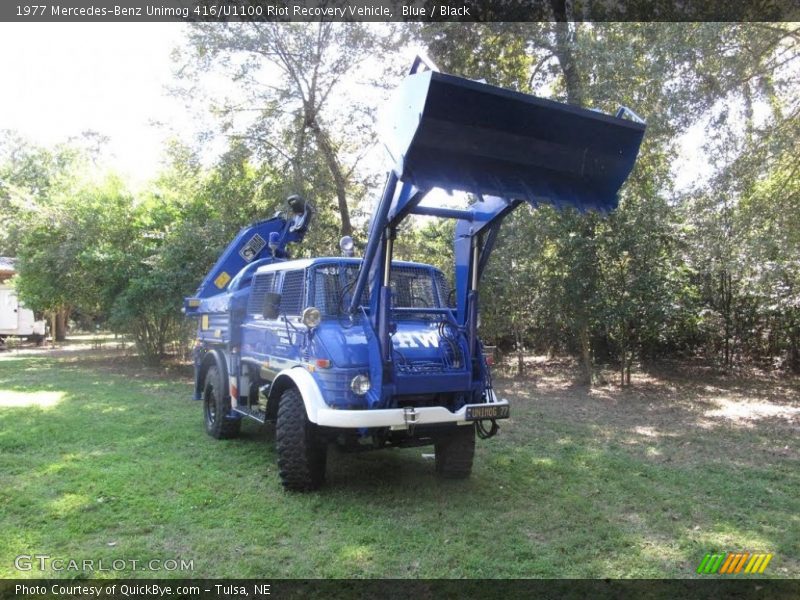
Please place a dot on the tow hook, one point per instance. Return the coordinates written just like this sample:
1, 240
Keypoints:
410, 418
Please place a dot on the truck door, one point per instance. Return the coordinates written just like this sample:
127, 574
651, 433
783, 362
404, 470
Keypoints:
256, 340
289, 333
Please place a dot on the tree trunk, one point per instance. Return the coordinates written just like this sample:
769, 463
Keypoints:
565, 52
794, 346
520, 354
628, 370
62, 316
726, 282
586, 355
336, 172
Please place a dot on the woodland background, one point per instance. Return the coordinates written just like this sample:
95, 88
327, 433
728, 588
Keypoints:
708, 270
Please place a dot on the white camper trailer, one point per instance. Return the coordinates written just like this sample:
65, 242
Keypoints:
15, 319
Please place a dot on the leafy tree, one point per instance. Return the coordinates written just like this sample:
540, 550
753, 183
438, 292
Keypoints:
178, 231
636, 279
757, 69
29, 175
713, 270
292, 78
72, 255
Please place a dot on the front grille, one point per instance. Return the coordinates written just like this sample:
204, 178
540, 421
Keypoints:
424, 401
420, 367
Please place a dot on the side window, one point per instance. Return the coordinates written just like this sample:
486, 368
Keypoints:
413, 288
326, 289
292, 292
333, 288
350, 276
261, 285
446, 297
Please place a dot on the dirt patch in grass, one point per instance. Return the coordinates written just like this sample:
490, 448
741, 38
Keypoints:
707, 451
669, 405
130, 365
106, 354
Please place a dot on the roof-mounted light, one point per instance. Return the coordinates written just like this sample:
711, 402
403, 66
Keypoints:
274, 241
347, 245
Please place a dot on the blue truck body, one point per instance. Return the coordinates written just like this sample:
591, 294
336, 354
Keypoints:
369, 351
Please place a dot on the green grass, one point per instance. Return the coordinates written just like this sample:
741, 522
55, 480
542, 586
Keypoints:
102, 465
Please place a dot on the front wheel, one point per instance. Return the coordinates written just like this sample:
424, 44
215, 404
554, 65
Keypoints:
216, 406
454, 453
301, 454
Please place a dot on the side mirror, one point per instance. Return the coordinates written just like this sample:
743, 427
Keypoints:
272, 305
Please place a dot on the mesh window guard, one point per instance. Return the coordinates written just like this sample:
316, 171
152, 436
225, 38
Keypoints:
262, 284
412, 287
292, 293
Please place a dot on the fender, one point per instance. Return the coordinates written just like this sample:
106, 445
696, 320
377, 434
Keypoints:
216, 357
304, 382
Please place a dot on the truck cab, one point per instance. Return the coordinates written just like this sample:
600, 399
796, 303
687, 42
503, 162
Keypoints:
335, 348
291, 337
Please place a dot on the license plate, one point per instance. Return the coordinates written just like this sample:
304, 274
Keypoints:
487, 411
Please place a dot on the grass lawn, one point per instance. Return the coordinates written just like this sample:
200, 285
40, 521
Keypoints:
100, 459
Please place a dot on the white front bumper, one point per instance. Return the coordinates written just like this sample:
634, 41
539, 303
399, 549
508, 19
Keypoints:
396, 418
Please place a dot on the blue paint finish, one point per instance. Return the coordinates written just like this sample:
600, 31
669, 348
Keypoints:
347, 343
335, 387
343, 346
372, 255
377, 392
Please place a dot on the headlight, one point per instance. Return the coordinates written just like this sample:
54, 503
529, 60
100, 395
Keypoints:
360, 385
311, 317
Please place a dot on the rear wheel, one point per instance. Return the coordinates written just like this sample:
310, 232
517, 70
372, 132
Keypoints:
454, 453
216, 406
301, 454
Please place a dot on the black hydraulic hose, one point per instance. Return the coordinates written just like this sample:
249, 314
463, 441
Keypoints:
485, 434
340, 312
480, 428
446, 333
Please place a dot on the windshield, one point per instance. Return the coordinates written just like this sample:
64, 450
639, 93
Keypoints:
412, 287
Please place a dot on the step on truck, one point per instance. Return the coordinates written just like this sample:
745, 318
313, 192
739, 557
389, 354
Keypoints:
369, 352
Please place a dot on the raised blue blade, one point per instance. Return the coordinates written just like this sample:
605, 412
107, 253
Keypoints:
459, 134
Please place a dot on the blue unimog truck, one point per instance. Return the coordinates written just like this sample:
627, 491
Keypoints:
370, 352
